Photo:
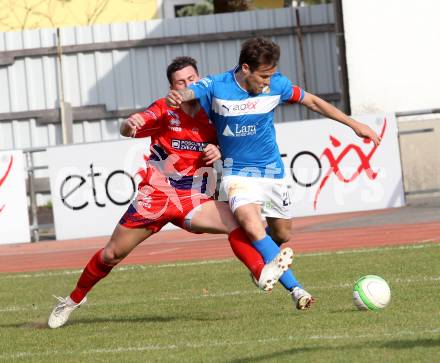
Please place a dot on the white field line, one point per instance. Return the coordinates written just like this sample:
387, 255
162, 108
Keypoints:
214, 344
48, 250
117, 269
421, 280
160, 252
40, 274
215, 262
377, 249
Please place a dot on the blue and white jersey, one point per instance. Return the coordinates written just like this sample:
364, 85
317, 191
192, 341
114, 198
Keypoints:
244, 122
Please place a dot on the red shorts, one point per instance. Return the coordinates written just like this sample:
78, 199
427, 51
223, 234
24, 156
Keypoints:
153, 208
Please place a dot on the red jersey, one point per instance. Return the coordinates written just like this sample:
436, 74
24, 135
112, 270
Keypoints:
169, 189
177, 144
173, 131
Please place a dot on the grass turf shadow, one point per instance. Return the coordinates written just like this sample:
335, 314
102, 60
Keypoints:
394, 344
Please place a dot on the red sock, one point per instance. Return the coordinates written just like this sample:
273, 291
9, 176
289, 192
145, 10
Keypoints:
245, 252
95, 270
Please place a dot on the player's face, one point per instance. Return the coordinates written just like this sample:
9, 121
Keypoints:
257, 80
183, 78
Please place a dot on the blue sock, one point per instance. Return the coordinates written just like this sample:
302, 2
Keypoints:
268, 230
267, 248
268, 233
289, 281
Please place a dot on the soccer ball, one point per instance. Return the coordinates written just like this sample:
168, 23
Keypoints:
371, 292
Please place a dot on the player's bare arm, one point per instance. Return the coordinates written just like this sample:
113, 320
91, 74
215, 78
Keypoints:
326, 109
130, 126
211, 154
176, 97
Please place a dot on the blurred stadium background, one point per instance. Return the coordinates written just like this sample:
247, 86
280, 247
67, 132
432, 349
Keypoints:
71, 71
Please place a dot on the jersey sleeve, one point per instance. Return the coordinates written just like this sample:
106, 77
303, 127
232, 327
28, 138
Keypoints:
296, 94
152, 116
289, 92
203, 90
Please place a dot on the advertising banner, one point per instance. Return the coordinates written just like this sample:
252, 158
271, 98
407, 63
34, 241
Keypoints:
332, 170
375, 40
14, 218
329, 168
93, 184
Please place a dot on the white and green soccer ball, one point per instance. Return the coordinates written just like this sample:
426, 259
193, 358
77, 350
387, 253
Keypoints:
371, 292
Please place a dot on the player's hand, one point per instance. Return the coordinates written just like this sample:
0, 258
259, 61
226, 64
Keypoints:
211, 153
367, 132
133, 124
173, 99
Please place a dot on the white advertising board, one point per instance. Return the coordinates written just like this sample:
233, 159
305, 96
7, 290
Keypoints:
332, 170
393, 54
93, 184
14, 218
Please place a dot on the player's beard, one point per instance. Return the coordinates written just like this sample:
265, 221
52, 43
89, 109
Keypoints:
253, 87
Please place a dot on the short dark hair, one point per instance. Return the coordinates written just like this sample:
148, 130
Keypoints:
179, 63
258, 51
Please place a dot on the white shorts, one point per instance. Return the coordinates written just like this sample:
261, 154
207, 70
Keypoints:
272, 194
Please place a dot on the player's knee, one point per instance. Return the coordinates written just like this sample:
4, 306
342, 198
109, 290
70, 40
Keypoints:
111, 257
252, 231
230, 224
281, 236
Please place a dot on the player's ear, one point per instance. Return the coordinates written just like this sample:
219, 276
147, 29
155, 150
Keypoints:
245, 68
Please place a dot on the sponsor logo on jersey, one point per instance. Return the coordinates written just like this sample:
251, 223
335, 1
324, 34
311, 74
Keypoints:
240, 130
172, 114
174, 122
188, 145
227, 131
151, 114
245, 130
249, 106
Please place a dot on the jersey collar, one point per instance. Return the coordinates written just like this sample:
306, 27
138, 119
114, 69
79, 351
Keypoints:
234, 71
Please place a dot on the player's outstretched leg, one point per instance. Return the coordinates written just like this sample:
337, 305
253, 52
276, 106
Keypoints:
95, 270
301, 298
61, 312
216, 217
272, 271
266, 275
246, 253
121, 243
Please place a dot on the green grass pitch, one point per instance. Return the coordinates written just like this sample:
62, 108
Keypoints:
211, 312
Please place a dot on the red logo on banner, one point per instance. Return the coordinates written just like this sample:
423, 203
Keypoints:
3, 178
364, 162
